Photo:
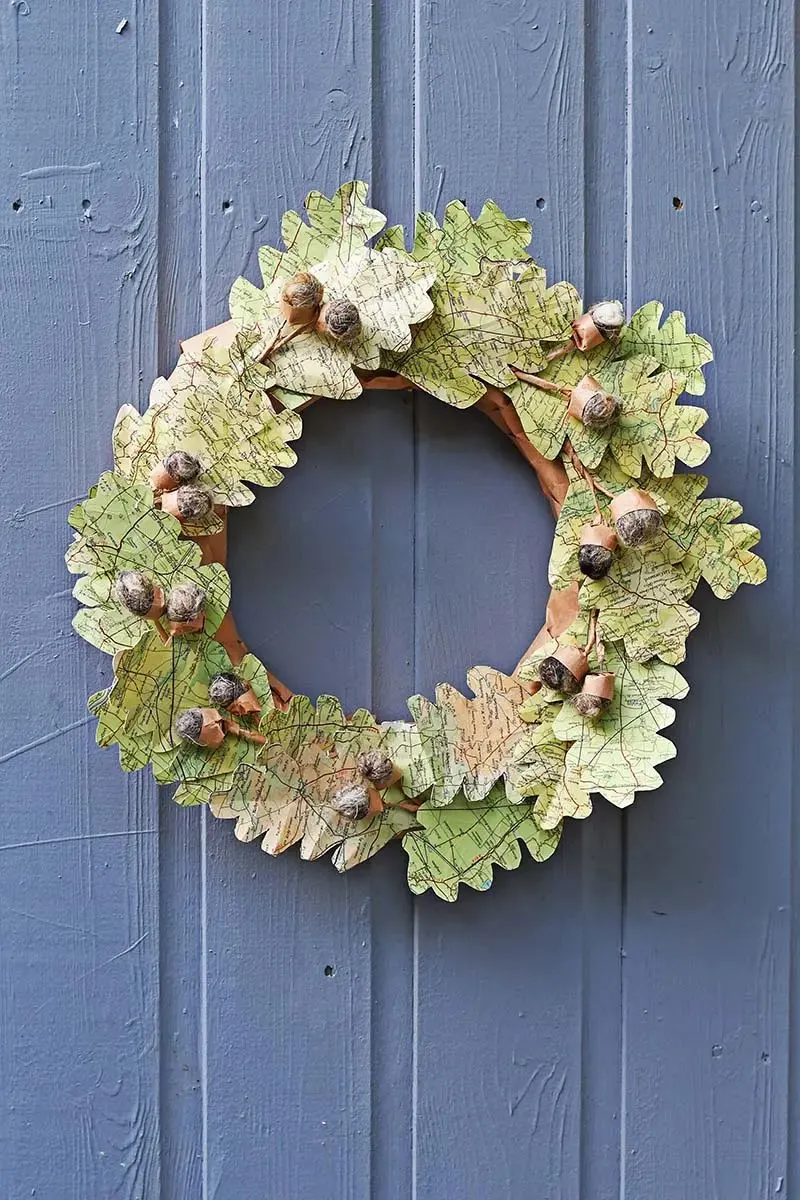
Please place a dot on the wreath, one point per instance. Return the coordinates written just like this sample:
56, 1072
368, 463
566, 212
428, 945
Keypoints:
590, 400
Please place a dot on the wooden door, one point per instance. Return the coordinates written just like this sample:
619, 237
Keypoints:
182, 1016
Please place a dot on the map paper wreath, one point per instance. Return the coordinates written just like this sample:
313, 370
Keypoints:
591, 401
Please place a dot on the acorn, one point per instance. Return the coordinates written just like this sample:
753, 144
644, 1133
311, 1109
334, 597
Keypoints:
139, 594
301, 299
564, 670
340, 320
192, 502
591, 405
636, 517
177, 468
185, 609
596, 553
603, 322
352, 801
202, 726
595, 695
227, 690
377, 767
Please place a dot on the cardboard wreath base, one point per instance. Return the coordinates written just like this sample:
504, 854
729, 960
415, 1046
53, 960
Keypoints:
588, 398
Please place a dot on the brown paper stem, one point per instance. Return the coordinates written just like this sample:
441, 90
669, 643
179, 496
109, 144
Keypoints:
546, 385
594, 484
561, 351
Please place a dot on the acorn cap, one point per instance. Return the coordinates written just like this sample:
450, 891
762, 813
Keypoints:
564, 670
201, 726
185, 602
592, 405
301, 298
599, 535
574, 659
376, 766
191, 502
585, 333
136, 592
225, 688
352, 801
600, 685
177, 468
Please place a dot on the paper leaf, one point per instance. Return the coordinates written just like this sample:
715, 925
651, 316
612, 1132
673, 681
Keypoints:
390, 291
720, 551
466, 744
285, 797
616, 754
642, 601
669, 344
462, 242
119, 530
540, 770
465, 841
337, 227
209, 408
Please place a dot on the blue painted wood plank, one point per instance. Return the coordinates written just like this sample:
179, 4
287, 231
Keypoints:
79, 927
709, 863
329, 604
499, 1020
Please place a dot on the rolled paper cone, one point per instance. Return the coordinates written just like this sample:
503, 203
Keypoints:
178, 628
294, 314
245, 705
585, 333
162, 481
169, 502
376, 805
574, 659
601, 685
394, 778
248, 734
631, 501
212, 722
583, 390
156, 609
599, 535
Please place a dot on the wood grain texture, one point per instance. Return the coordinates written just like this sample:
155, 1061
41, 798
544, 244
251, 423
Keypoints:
79, 920
707, 953
181, 1015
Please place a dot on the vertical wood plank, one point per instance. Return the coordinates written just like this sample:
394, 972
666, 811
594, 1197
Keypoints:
308, 1001
79, 881
500, 979
709, 865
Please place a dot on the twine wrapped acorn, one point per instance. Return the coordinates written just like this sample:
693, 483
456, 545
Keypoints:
139, 594
228, 691
301, 299
339, 319
592, 405
595, 695
176, 469
207, 727
564, 670
377, 768
190, 502
596, 552
185, 609
355, 801
636, 517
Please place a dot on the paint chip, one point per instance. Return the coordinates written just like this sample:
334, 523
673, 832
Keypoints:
123, 25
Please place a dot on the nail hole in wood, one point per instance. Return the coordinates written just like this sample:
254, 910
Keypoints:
541, 203
17, 205
329, 971
677, 202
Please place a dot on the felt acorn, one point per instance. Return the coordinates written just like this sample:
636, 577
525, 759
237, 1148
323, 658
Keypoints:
185, 609
564, 670
356, 801
227, 690
636, 517
192, 502
596, 553
377, 768
177, 468
595, 695
603, 322
139, 594
207, 727
301, 299
339, 319
592, 405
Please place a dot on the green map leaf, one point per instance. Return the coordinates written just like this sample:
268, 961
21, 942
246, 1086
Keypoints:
465, 841
616, 754
459, 743
209, 408
462, 243
284, 798
670, 344
540, 768
119, 530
